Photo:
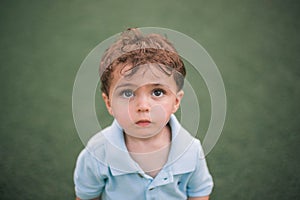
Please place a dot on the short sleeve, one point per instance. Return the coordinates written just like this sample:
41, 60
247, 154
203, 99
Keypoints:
88, 182
200, 183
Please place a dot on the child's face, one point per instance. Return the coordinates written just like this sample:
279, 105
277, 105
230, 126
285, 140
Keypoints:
143, 102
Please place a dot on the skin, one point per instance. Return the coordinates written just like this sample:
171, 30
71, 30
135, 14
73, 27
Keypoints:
198, 198
142, 104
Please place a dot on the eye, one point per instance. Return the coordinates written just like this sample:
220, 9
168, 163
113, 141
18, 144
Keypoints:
158, 92
127, 93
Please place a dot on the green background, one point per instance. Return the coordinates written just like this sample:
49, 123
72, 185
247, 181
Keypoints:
255, 44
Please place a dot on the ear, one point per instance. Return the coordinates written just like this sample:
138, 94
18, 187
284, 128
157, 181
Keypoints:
107, 103
179, 96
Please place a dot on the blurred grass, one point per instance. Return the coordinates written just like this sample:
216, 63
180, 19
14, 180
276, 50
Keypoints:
254, 43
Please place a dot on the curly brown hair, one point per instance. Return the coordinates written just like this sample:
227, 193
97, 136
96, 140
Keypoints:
134, 49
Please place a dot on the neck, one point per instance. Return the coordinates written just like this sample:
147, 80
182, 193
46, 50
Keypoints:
145, 145
150, 153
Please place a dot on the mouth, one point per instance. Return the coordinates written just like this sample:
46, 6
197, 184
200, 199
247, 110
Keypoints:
143, 123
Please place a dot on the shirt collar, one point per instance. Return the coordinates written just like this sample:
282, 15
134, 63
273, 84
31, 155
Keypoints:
120, 162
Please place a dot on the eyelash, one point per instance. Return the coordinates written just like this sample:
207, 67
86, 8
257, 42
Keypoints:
123, 92
158, 89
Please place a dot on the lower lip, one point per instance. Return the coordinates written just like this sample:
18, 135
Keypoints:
143, 124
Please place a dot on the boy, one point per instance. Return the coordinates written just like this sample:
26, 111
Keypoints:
145, 153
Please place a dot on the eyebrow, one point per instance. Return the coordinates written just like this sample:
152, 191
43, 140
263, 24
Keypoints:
136, 86
126, 85
158, 85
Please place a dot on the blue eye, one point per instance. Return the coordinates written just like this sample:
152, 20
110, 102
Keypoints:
158, 92
127, 93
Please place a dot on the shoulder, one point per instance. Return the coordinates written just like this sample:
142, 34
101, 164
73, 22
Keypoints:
98, 140
181, 138
185, 152
186, 141
95, 148
108, 139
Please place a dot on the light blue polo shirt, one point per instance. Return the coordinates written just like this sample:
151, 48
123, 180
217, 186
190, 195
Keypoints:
105, 168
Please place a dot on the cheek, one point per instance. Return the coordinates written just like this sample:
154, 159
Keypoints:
125, 112
121, 113
161, 111
119, 109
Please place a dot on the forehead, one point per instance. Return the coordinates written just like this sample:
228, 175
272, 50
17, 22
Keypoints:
144, 75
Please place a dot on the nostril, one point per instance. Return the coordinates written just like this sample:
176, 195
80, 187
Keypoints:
143, 109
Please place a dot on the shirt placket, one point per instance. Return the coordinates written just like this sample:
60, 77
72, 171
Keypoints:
153, 189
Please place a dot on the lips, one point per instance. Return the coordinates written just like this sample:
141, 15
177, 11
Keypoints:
143, 123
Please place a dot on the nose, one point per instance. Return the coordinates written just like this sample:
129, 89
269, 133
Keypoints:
142, 103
